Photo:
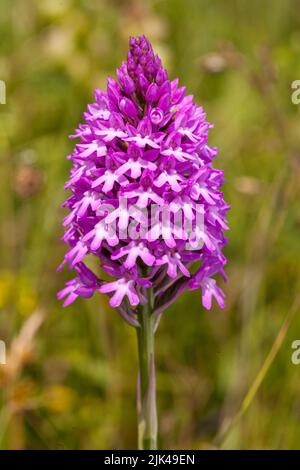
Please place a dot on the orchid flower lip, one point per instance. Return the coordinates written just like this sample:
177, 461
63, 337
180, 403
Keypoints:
146, 201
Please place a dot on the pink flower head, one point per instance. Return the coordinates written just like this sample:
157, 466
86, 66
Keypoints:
144, 145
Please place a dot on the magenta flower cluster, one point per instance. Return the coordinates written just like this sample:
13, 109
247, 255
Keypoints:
144, 142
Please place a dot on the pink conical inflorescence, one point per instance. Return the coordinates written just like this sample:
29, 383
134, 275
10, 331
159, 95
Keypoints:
144, 145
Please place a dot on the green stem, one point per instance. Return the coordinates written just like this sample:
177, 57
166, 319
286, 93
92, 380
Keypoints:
146, 394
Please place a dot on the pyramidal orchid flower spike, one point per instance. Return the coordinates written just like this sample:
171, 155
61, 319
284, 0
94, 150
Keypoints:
146, 203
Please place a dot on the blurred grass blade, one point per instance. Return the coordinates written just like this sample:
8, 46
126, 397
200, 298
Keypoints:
225, 430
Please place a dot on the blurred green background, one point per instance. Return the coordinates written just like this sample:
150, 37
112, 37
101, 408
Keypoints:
70, 377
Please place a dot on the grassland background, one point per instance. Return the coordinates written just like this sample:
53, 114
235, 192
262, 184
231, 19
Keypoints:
70, 377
